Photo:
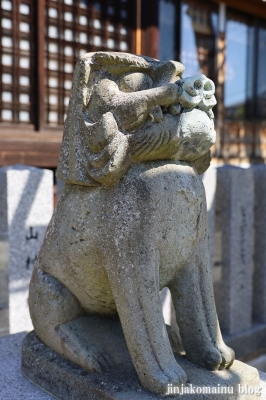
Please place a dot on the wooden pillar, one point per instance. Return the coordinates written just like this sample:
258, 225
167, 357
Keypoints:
138, 26
40, 26
221, 43
16, 57
150, 28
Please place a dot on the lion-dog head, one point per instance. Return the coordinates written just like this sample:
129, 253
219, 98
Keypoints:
125, 109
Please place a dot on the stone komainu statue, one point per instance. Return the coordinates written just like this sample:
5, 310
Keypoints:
131, 219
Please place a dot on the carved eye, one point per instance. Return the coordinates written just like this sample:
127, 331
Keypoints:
135, 82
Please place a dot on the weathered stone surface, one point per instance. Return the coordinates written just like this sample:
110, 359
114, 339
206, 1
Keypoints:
259, 279
66, 381
209, 179
131, 220
26, 206
233, 293
121, 112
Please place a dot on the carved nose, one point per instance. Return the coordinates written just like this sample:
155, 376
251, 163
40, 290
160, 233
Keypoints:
199, 85
199, 91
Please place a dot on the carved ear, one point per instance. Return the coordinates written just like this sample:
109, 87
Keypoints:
91, 153
168, 71
72, 160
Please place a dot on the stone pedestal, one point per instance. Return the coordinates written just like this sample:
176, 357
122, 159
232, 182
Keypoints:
26, 205
13, 385
66, 381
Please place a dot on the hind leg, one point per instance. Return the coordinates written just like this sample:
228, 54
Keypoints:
52, 308
193, 298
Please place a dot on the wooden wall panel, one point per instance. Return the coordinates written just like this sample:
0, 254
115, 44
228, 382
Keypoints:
30, 148
74, 28
150, 28
17, 52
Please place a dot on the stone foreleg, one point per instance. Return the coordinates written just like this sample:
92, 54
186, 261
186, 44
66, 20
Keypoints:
193, 298
133, 275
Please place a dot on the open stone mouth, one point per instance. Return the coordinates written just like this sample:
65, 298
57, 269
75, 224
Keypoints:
177, 109
157, 113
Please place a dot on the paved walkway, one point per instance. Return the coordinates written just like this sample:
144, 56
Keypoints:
13, 385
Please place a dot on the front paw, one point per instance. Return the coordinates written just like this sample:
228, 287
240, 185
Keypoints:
208, 357
213, 356
157, 380
228, 356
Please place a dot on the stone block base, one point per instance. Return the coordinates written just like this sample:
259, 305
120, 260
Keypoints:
66, 381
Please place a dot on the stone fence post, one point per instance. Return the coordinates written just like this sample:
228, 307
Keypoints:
234, 220
26, 206
236, 206
259, 281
